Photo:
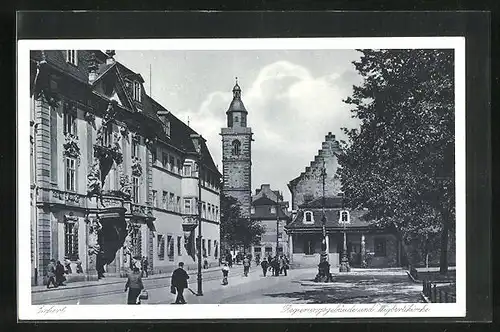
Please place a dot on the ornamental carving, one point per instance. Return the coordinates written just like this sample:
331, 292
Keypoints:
124, 131
70, 219
136, 167
71, 148
95, 227
94, 183
149, 143
125, 185
90, 118
41, 85
70, 108
66, 196
110, 112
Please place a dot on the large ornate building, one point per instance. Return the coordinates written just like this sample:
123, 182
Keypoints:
237, 154
114, 174
316, 198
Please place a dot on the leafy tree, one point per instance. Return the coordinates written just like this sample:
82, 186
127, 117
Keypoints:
236, 231
400, 163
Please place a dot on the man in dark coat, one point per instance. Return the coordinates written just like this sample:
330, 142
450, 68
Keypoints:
51, 274
179, 281
264, 266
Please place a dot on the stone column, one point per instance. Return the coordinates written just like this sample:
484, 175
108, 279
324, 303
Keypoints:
363, 251
327, 237
290, 247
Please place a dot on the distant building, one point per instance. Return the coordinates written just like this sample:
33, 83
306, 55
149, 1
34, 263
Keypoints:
85, 105
367, 245
270, 210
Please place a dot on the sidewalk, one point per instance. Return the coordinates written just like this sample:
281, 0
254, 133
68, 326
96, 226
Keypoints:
118, 280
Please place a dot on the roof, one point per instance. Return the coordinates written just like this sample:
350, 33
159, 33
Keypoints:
236, 105
330, 202
332, 220
264, 200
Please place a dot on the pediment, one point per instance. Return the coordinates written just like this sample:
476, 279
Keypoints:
112, 86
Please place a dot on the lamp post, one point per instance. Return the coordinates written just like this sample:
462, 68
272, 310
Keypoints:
198, 144
277, 228
344, 261
323, 266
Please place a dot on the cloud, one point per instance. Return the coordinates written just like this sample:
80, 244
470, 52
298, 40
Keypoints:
290, 111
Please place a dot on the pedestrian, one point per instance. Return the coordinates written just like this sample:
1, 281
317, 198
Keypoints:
67, 266
276, 266
79, 268
145, 266
179, 282
229, 259
269, 259
246, 266
134, 286
283, 265
264, 266
51, 274
60, 278
225, 273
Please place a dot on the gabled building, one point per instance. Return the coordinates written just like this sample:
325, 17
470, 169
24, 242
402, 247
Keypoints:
270, 210
87, 107
317, 199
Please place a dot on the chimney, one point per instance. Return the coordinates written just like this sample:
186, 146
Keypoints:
110, 60
93, 67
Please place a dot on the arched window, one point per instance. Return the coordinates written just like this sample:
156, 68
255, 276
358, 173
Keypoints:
344, 217
308, 217
236, 148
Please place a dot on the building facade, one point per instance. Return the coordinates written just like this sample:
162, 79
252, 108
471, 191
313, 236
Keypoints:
237, 154
113, 172
317, 201
269, 209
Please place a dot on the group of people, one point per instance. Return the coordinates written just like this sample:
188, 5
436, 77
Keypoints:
276, 265
56, 271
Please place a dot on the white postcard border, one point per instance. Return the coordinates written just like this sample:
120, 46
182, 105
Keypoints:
27, 311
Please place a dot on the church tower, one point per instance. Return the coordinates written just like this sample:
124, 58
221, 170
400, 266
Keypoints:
236, 153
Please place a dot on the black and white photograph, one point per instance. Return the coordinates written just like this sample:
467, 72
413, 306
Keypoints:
297, 177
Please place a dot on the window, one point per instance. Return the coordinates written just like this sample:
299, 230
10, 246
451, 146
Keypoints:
216, 249
164, 160
187, 169
108, 131
171, 202
135, 189
178, 205
161, 247
273, 210
154, 194
137, 91
69, 123
153, 156
171, 164
236, 119
308, 217
164, 200
209, 247
179, 166
236, 148
71, 240
135, 148
257, 250
136, 242
70, 174
204, 248
209, 212
380, 247
179, 250
268, 250
187, 206
204, 214
170, 241
72, 57
344, 217
280, 250
216, 213
309, 246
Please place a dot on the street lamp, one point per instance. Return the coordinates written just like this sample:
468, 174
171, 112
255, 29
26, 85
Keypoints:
323, 266
198, 144
344, 261
277, 228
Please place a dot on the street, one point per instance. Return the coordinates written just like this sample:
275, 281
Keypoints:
361, 286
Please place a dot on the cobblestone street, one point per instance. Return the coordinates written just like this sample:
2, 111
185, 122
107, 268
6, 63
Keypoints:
358, 286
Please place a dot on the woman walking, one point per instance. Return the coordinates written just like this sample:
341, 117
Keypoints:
134, 286
225, 273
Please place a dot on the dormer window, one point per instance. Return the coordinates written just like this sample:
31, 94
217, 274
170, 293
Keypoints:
344, 217
136, 92
72, 57
252, 210
308, 217
273, 210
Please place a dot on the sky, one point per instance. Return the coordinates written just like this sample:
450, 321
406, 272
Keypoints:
293, 98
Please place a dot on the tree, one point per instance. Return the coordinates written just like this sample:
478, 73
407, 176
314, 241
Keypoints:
235, 230
400, 163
